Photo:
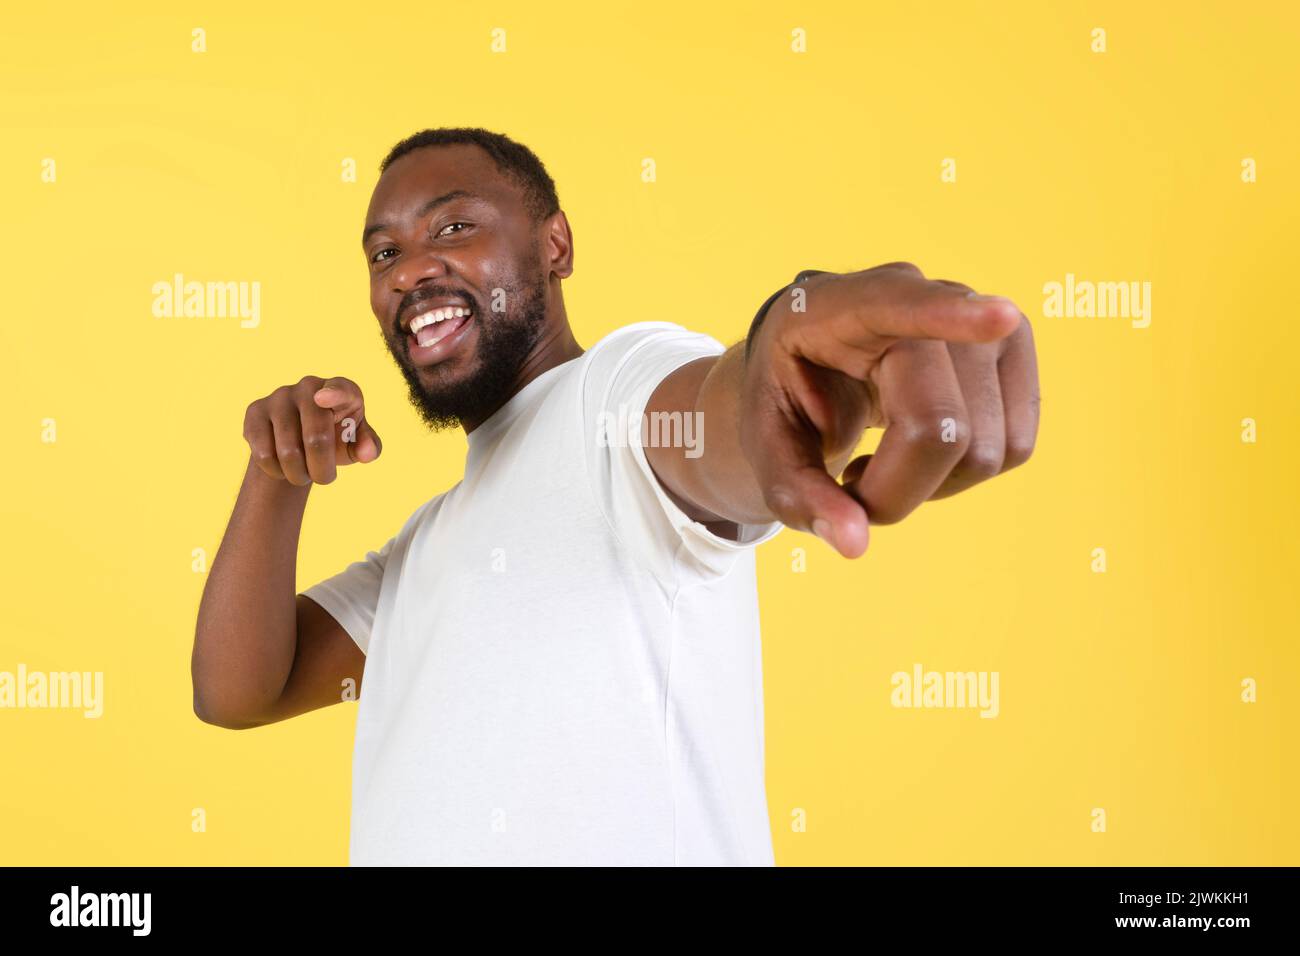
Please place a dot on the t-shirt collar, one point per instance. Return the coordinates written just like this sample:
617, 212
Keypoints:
508, 412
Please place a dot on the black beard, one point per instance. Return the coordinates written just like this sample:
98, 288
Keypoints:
504, 343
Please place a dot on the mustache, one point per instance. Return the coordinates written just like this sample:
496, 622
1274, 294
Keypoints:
425, 292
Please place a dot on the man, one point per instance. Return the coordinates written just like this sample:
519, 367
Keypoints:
561, 652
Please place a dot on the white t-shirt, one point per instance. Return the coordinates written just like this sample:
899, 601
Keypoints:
562, 667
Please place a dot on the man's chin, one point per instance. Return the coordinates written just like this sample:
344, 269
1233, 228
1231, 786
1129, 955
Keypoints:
450, 373
447, 394
438, 409
478, 375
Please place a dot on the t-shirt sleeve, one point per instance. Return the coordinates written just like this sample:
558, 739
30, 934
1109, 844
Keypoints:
352, 595
623, 371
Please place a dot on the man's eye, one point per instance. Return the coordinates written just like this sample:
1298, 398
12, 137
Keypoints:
375, 257
443, 230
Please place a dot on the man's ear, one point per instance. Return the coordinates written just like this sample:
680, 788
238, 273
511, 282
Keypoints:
559, 245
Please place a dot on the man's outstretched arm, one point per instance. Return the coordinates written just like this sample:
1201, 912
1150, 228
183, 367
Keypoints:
950, 375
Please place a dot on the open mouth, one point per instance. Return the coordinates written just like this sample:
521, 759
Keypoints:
430, 328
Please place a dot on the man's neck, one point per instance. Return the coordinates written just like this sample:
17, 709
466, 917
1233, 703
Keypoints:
555, 347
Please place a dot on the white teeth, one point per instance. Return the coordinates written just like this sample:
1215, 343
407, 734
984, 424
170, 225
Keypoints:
436, 315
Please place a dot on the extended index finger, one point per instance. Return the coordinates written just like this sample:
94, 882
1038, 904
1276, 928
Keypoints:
343, 397
356, 438
898, 303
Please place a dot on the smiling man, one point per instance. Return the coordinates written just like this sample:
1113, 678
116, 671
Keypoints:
561, 652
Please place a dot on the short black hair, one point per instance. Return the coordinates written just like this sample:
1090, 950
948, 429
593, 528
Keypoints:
514, 159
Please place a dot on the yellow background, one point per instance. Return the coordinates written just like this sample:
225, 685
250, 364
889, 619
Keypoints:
1118, 690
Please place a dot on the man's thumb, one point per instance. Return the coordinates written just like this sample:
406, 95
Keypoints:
803, 496
367, 446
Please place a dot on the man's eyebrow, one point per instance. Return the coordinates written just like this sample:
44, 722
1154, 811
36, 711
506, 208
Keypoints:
427, 208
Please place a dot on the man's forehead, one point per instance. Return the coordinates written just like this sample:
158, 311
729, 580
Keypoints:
432, 171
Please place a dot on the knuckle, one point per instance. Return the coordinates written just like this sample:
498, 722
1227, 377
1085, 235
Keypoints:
254, 415
289, 452
982, 460
1017, 454
318, 439
781, 498
940, 432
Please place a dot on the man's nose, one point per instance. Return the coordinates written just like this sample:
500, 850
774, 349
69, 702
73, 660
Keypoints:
417, 268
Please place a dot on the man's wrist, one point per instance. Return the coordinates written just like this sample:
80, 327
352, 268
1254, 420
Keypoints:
763, 309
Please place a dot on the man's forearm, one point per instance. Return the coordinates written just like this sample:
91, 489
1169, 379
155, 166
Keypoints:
721, 480
246, 635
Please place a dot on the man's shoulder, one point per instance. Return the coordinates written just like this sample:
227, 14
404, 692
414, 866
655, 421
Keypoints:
646, 339
426, 512
639, 332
